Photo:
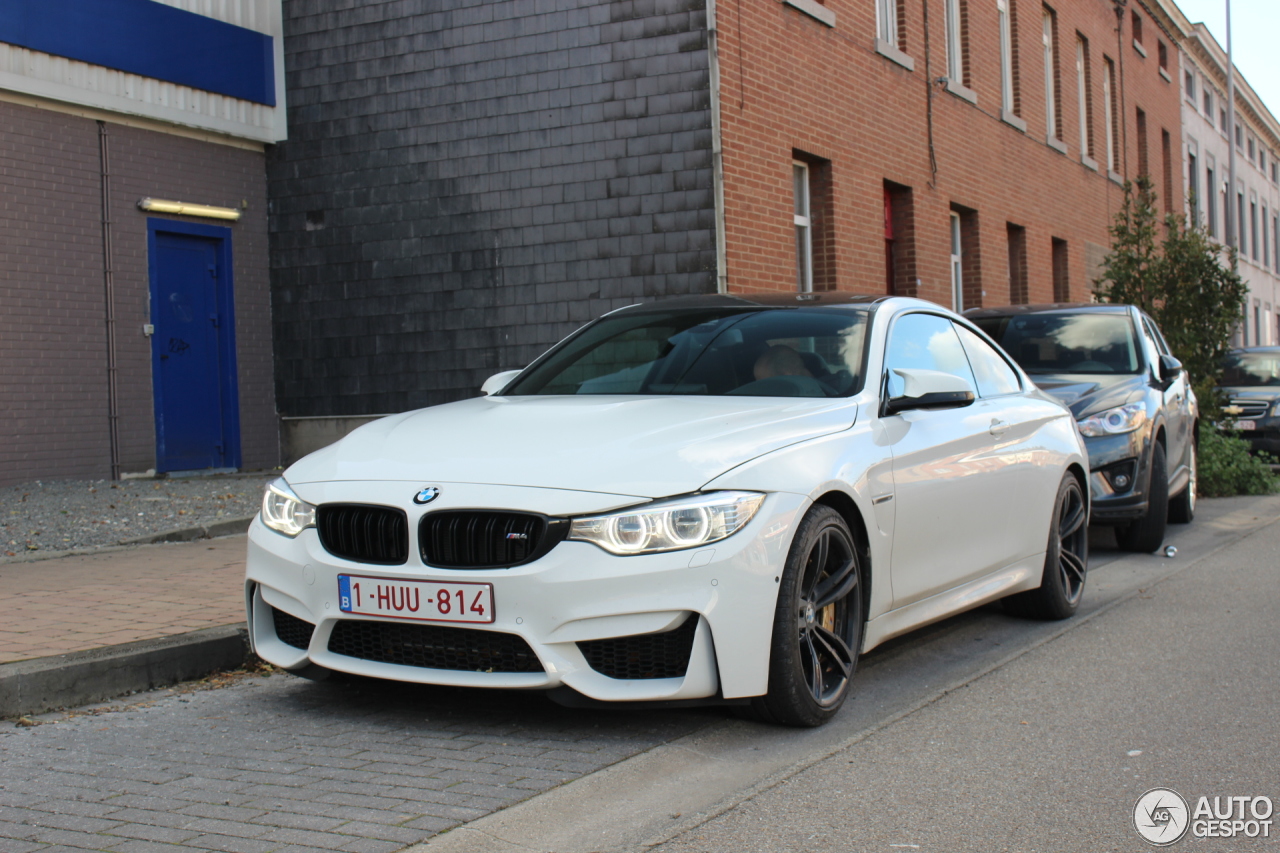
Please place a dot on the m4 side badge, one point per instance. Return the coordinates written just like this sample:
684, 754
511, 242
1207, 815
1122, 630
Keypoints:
427, 495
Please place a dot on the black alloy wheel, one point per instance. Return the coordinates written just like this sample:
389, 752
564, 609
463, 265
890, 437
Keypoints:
1066, 559
818, 624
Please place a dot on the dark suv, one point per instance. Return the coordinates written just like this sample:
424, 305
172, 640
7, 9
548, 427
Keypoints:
1132, 401
1251, 381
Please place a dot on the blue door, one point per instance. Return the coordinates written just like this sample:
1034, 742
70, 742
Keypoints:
192, 349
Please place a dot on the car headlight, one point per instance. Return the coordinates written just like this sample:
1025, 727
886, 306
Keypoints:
669, 525
1114, 421
284, 512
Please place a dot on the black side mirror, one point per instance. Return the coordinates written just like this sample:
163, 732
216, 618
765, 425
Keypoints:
1170, 368
935, 400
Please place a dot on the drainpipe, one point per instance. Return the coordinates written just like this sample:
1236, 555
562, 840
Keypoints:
717, 148
109, 288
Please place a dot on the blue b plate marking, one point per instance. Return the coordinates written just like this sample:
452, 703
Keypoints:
344, 593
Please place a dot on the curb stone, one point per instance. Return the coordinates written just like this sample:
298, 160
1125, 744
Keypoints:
217, 529
78, 678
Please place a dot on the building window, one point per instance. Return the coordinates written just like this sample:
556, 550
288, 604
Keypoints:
1162, 55
1061, 282
1208, 103
1193, 189
1189, 85
804, 230
887, 21
955, 48
1008, 99
899, 241
1109, 106
1137, 28
1049, 36
1166, 165
1253, 228
957, 264
1222, 120
1262, 159
1141, 124
1239, 137
1275, 240
1084, 96
1266, 244
1239, 225
1275, 172
1210, 203
1018, 291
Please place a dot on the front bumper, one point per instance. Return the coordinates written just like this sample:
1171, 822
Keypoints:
1109, 454
575, 594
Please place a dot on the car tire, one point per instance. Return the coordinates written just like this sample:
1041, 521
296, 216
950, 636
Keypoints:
1182, 506
1066, 559
1147, 533
818, 624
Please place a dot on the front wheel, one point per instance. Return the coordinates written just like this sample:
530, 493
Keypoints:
1147, 533
817, 626
1182, 506
1066, 560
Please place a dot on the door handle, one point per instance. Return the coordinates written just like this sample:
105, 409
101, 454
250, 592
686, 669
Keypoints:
998, 427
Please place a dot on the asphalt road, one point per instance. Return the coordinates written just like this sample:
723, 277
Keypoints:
981, 732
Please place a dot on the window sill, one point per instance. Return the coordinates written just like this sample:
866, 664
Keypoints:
1165, 75
1116, 177
1142, 51
1088, 162
892, 54
1057, 145
814, 10
1012, 120
961, 91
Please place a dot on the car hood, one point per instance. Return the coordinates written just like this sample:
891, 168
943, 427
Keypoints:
1257, 392
642, 446
1088, 394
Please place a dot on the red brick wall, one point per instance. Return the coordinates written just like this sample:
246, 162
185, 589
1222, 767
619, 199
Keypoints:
53, 385
790, 83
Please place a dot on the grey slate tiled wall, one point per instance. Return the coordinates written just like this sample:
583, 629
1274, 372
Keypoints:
467, 181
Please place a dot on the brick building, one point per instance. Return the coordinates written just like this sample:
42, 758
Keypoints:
467, 182
1256, 202
136, 339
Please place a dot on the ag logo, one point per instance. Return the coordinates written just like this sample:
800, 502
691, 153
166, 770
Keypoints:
427, 495
1161, 816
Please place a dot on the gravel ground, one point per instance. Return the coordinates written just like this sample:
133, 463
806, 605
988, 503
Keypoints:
65, 514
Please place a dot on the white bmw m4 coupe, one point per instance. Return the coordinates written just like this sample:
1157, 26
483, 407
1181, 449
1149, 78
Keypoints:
713, 499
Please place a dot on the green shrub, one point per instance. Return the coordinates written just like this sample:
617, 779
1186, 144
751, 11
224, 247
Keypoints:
1227, 468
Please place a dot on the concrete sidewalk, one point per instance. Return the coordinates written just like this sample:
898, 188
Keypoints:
87, 627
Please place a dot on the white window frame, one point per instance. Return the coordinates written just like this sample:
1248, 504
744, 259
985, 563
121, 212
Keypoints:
1006, 56
1050, 84
1109, 114
957, 264
800, 176
955, 51
887, 21
1082, 97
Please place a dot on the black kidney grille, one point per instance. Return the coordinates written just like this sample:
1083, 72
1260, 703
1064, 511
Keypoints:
481, 539
291, 630
433, 646
364, 533
664, 655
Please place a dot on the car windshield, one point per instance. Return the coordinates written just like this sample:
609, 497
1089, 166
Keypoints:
1251, 368
758, 352
1067, 343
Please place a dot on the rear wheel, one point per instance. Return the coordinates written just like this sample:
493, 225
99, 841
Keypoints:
1147, 533
818, 624
1182, 506
1066, 560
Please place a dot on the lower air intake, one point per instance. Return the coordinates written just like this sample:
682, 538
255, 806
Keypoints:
291, 630
433, 647
664, 655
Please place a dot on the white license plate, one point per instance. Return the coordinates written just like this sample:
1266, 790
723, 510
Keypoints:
1245, 426
427, 601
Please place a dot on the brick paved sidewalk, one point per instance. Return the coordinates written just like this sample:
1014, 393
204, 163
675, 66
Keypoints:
72, 604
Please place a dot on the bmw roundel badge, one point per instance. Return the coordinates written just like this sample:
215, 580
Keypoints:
427, 495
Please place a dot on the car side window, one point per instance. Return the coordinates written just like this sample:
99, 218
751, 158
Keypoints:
995, 376
1155, 335
925, 342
